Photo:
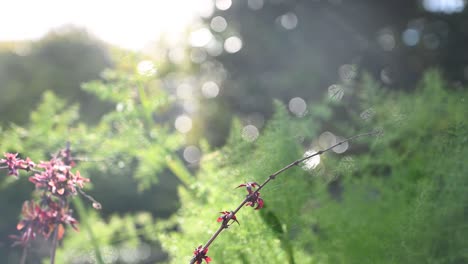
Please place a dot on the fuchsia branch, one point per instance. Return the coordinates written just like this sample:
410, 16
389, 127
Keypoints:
253, 198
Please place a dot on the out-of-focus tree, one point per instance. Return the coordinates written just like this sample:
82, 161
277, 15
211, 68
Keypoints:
286, 48
59, 62
131, 154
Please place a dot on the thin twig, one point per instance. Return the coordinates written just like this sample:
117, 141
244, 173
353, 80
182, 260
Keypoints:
272, 177
53, 248
24, 254
96, 204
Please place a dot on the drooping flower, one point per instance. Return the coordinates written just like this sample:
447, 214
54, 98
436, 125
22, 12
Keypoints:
249, 186
42, 220
226, 216
58, 178
13, 163
253, 198
200, 255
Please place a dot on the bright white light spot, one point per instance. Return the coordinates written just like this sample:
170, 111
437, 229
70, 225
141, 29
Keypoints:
386, 40
255, 4
340, 148
184, 91
297, 106
347, 73
223, 4
192, 154
335, 92
444, 6
121, 164
250, 133
200, 37
326, 140
411, 37
183, 124
205, 8
313, 162
288, 21
128, 24
233, 44
218, 24
146, 68
119, 107
210, 89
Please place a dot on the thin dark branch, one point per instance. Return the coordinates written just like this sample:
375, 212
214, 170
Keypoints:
96, 204
53, 247
272, 177
24, 254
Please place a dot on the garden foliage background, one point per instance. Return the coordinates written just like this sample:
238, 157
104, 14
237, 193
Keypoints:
398, 197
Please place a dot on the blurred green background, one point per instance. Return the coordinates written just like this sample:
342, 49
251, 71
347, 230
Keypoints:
231, 91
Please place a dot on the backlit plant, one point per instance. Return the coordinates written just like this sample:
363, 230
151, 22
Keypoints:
48, 215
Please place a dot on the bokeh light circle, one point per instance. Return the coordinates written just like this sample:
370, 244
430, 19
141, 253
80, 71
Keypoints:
192, 154
297, 106
218, 24
250, 133
340, 148
233, 44
326, 140
183, 123
210, 89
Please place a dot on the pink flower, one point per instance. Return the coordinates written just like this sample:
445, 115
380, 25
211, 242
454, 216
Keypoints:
58, 178
14, 164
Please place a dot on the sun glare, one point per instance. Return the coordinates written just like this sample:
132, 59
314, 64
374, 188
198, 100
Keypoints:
129, 24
